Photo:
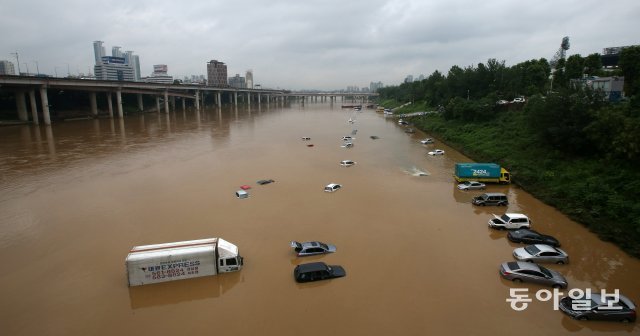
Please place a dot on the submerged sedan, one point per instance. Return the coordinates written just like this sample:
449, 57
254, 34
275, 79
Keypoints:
312, 248
528, 236
598, 307
541, 253
332, 187
347, 163
471, 185
519, 271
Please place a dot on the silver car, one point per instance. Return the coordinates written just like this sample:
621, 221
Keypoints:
520, 271
471, 185
332, 187
541, 253
312, 248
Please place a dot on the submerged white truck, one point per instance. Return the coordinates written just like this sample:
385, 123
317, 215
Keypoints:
151, 264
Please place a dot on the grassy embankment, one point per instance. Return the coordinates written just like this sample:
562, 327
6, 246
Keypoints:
601, 194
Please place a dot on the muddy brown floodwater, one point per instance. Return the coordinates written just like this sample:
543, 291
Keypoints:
420, 259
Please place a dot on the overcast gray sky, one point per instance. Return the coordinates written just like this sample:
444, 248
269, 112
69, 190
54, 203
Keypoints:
310, 44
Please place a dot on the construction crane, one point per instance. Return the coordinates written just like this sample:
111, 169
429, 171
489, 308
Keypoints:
561, 53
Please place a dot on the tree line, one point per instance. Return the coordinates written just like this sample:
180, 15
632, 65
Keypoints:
567, 117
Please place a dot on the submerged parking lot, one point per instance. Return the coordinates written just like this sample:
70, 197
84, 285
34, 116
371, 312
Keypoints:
419, 258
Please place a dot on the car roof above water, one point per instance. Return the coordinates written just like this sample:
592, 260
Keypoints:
519, 265
311, 267
515, 215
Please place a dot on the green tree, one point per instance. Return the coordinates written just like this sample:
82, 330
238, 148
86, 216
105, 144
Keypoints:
593, 64
575, 67
630, 65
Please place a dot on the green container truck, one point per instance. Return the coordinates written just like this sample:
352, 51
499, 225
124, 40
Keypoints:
481, 172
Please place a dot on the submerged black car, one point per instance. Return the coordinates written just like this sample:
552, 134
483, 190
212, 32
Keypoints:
598, 307
528, 236
317, 271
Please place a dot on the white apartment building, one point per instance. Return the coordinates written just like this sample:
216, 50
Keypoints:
7, 68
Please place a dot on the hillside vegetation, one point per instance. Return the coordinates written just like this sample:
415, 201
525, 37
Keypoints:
570, 148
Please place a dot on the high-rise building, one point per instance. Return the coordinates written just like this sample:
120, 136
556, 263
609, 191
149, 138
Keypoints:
249, 79
237, 82
7, 68
373, 86
216, 73
98, 51
118, 66
133, 61
136, 68
408, 79
115, 52
113, 68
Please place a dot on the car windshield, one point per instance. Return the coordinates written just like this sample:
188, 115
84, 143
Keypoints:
324, 246
532, 249
467, 183
505, 218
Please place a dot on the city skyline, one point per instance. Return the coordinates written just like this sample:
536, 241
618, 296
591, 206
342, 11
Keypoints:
316, 45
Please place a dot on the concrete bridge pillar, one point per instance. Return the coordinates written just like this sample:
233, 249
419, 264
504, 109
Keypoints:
166, 101
110, 105
21, 105
248, 97
197, 98
119, 103
173, 103
235, 98
259, 98
158, 104
140, 105
184, 104
46, 116
93, 101
219, 95
34, 106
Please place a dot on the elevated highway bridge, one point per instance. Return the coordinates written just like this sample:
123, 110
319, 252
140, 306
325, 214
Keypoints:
23, 86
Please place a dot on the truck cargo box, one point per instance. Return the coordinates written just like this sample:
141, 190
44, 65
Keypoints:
181, 260
481, 172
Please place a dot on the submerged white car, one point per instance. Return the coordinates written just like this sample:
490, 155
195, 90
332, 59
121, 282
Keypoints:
426, 141
471, 185
436, 152
332, 187
510, 221
347, 163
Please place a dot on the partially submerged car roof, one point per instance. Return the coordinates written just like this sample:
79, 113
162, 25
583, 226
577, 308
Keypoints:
515, 215
311, 267
603, 300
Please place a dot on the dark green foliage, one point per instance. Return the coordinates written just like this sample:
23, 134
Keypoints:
630, 65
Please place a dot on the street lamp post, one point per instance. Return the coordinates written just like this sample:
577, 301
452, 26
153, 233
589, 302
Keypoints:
27, 65
37, 67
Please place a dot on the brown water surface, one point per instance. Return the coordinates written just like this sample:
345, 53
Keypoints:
420, 259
